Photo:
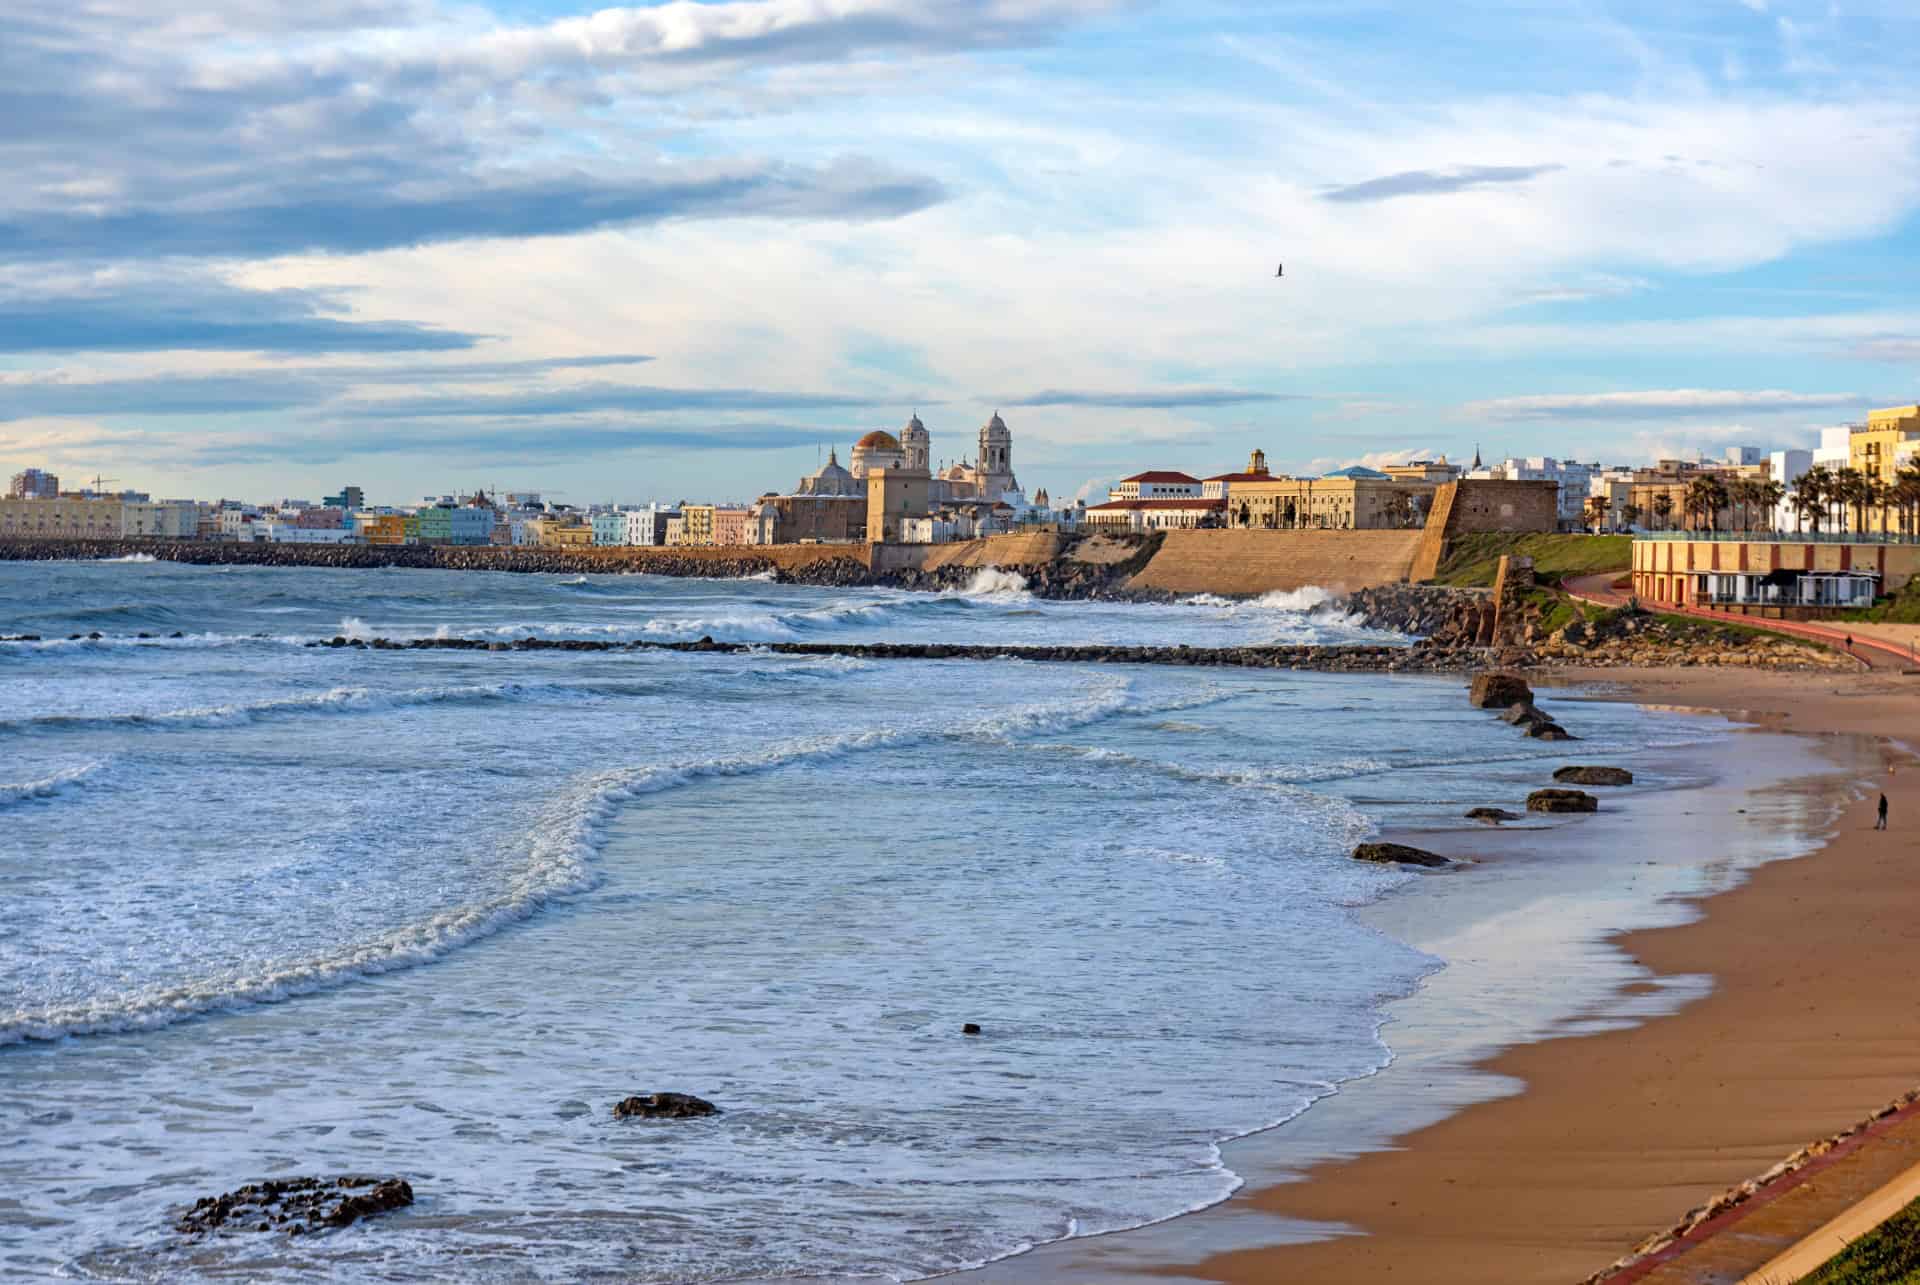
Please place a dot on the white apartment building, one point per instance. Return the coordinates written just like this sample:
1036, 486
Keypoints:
1160, 484
648, 525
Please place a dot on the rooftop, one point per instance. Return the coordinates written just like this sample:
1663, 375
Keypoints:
1162, 475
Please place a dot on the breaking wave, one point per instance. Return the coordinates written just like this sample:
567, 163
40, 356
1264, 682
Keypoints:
561, 849
47, 787
336, 700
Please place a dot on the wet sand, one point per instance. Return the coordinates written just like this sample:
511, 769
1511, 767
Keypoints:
1763, 1016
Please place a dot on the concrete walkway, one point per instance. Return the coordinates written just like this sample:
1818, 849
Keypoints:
1872, 653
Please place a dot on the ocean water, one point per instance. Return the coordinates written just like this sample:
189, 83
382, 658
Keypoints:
269, 910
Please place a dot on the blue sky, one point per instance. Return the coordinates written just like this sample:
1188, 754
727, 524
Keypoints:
262, 250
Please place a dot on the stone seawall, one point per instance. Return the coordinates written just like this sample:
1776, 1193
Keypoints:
1250, 563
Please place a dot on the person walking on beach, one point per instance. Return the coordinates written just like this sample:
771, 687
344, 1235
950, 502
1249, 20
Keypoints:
1881, 824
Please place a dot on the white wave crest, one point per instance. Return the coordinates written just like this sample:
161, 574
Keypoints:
133, 557
997, 584
560, 853
47, 786
354, 627
334, 700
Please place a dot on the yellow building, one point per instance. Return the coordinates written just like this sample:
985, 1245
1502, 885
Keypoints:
382, 528
696, 524
558, 533
1333, 503
893, 495
1880, 449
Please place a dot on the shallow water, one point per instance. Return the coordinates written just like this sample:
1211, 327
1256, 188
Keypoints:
271, 910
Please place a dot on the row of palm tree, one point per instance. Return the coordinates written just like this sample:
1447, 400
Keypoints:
1846, 496
1843, 499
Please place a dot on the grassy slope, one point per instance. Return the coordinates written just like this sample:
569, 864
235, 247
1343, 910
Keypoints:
1887, 1255
1901, 609
1473, 559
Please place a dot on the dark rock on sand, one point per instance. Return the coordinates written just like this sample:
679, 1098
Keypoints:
1562, 801
1521, 714
1594, 776
296, 1204
1498, 691
971, 1028
1398, 852
1549, 731
1492, 816
663, 1106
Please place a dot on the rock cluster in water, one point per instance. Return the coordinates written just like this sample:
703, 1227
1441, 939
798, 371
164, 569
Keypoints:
1593, 776
663, 1106
1399, 854
296, 1205
1551, 800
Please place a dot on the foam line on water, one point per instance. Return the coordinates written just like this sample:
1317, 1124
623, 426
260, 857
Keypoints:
559, 863
337, 700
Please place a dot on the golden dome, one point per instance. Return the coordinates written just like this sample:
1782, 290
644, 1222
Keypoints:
878, 440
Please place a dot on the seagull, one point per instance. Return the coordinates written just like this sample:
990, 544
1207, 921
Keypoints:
1280, 271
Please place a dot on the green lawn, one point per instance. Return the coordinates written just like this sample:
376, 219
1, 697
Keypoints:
1887, 1255
1473, 559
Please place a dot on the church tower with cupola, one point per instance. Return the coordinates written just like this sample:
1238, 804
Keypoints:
994, 466
916, 444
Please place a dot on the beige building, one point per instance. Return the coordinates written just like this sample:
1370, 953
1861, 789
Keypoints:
808, 519
63, 518
894, 495
1354, 502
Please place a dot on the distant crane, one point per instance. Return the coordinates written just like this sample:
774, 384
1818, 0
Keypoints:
97, 480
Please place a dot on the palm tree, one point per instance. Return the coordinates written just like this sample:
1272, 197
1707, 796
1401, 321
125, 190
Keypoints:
1663, 509
1906, 495
1812, 492
1850, 490
1771, 493
1706, 496
1630, 514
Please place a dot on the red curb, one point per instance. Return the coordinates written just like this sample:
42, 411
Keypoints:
1693, 1237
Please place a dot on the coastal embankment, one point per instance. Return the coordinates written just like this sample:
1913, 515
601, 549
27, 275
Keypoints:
1154, 567
1763, 1016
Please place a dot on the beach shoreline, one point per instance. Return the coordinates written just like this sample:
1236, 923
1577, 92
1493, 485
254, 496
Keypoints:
1702, 1056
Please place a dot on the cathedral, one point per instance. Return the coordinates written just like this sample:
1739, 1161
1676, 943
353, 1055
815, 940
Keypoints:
988, 478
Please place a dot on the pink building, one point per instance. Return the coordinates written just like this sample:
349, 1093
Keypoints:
730, 526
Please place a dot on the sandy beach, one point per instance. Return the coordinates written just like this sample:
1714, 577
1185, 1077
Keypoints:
1811, 1024
1769, 1013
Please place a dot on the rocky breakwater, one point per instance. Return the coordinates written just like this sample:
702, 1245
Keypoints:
1442, 615
1357, 658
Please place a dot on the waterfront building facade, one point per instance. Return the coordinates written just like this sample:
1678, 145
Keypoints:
1355, 499
1157, 484
1790, 577
610, 527
1181, 513
648, 526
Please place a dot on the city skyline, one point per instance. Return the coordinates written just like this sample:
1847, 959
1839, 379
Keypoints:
667, 252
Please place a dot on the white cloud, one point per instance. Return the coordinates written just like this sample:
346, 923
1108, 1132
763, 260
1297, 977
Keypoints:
1653, 403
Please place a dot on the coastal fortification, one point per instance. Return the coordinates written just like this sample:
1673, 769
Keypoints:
1248, 563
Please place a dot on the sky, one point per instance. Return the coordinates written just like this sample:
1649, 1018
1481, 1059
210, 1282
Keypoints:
262, 250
